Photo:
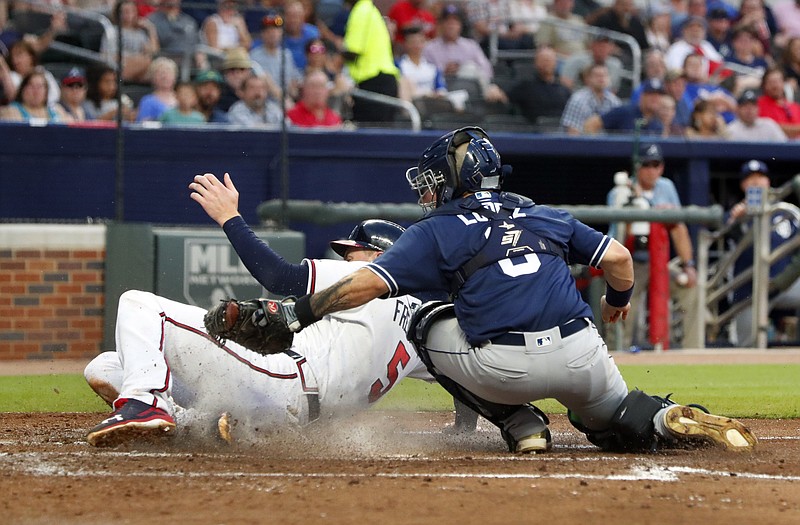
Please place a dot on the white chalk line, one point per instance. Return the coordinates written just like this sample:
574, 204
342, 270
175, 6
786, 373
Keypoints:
38, 464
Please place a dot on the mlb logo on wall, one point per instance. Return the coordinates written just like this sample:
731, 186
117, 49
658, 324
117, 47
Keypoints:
212, 272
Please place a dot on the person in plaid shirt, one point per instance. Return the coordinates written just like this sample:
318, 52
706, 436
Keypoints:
593, 99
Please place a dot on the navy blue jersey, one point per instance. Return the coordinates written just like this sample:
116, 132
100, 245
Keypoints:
527, 292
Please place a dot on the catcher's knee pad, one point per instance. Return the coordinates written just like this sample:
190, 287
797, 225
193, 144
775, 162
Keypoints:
632, 427
421, 322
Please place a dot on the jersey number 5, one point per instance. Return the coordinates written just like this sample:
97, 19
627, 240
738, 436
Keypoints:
398, 361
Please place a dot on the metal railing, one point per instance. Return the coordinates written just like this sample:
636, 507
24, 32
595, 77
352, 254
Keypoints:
408, 107
633, 75
73, 50
716, 282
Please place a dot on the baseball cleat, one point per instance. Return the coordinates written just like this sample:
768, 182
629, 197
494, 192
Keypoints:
225, 428
724, 431
535, 443
133, 420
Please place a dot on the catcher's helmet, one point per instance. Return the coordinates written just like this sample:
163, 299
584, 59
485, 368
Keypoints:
372, 234
436, 172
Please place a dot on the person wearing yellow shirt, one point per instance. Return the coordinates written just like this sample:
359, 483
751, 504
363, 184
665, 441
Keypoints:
368, 52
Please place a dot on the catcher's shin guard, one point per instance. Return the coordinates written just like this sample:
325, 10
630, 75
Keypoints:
632, 427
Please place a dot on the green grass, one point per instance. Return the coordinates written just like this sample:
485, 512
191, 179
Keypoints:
762, 391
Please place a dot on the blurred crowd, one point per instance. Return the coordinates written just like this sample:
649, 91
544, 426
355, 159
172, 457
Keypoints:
709, 69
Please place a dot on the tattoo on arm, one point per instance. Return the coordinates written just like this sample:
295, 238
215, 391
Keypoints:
332, 299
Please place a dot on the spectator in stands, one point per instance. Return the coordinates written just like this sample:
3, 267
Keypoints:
10, 35
368, 53
694, 8
268, 54
22, 60
495, 16
600, 52
693, 42
31, 101
163, 74
235, 68
226, 28
658, 29
139, 42
73, 96
566, 41
418, 77
675, 82
7, 88
455, 54
699, 88
787, 16
529, 14
177, 34
102, 95
255, 109
773, 103
632, 116
407, 14
755, 174
653, 67
744, 47
312, 110
541, 97
706, 122
623, 18
757, 17
185, 112
749, 127
790, 61
208, 86
656, 191
320, 58
667, 113
719, 30
297, 32
593, 99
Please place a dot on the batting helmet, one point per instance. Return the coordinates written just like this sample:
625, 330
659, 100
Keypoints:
372, 234
436, 172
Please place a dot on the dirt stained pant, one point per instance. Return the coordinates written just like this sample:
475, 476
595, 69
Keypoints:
577, 371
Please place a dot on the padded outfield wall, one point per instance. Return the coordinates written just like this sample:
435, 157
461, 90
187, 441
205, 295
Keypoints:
57, 173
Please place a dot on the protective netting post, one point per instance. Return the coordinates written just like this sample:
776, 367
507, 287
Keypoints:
658, 293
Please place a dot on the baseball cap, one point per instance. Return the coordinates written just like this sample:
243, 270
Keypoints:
694, 20
209, 75
718, 13
650, 152
753, 166
74, 76
748, 96
451, 10
272, 19
236, 58
653, 85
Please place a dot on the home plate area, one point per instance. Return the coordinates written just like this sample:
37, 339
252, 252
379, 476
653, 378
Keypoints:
396, 467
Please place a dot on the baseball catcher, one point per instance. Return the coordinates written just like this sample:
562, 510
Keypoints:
256, 324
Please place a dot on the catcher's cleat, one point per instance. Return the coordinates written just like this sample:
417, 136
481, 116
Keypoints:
134, 420
694, 423
535, 443
225, 428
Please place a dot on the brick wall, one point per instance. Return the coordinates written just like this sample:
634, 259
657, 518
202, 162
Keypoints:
51, 291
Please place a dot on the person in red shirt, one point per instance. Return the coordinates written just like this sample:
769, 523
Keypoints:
773, 103
312, 110
410, 13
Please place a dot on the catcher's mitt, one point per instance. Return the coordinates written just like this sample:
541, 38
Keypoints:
257, 324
